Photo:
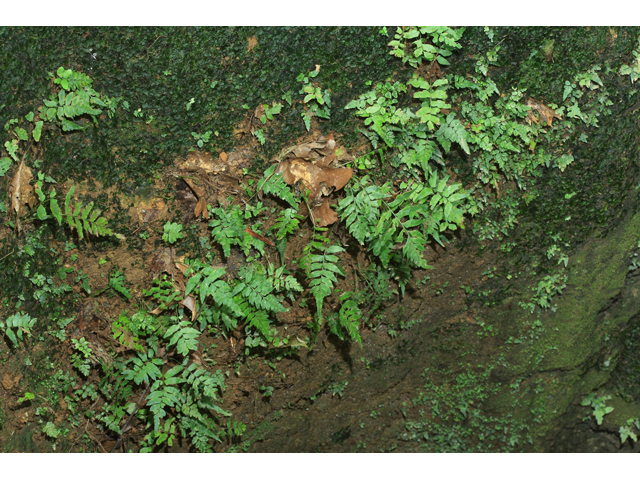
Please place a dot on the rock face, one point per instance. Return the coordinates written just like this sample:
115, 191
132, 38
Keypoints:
539, 381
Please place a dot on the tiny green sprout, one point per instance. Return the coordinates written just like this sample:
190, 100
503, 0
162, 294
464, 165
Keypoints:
267, 391
172, 232
102, 261
28, 396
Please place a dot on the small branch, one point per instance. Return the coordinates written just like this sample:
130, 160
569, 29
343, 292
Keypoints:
124, 429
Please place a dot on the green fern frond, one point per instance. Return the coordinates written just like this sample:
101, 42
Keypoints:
288, 221
322, 270
273, 184
117, 283
183, 336
164, 291
361, 211
256, 287
348, 319
228, 228
21, 322
144, 368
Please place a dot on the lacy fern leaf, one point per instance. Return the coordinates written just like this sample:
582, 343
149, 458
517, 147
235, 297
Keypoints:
273, 184
183, 336
21, 322
322, 269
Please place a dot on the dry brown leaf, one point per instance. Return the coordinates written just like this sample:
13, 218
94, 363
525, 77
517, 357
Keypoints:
258, 112
323, 214
198, 160
546, 114
309, 150
190, 303
251, 43
201, 206
319, 181
164, 261
21, 192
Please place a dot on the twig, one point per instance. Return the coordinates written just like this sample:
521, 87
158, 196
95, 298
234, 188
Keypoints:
154, 42
7, 254
124, 429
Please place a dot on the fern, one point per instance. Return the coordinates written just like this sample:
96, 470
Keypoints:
284, 283
83, 219
361, 211
419, 212
273, 184
123, 334
288, 221
82, 358
164, 393
321, 268
453, 131
164, 291
117, 283
434, 96
184, 337
22, 323
228, 228
144, 368
348, 319
190, 390
75, 99
256, 288
206, 283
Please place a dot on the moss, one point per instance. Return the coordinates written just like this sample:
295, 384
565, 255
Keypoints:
567, 361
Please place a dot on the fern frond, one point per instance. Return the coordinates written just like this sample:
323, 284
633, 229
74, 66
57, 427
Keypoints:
322, 270
348, 319
273, 184
361, 212
117, 283
184, 337
256, 288
228, 228
22, 323
288, 221
144, 369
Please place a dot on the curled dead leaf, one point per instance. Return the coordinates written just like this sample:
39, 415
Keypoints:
318, 180
314, 150
323, 214
21, 192
190, 303
251, 43
201, 194
545, 113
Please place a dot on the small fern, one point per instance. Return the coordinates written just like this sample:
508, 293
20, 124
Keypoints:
82, 219
273, 184
16, 325
288, 221
164, 291
164, 393
228, 228
419, 212
256, 287
184, 337
123, 334
206, 283
348, 319
117, 283
320, 262
144, 368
